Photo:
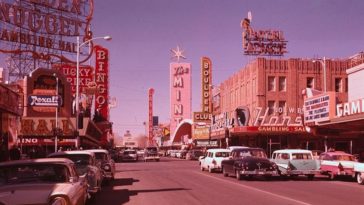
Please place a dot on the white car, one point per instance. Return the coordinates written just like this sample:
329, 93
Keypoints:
359, 172
41, 181
213, 158
294, 162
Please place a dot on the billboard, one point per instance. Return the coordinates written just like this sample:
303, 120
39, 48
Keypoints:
102, 81
319, 108
180, 93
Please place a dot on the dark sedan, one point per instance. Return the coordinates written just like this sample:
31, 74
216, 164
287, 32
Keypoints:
248, 162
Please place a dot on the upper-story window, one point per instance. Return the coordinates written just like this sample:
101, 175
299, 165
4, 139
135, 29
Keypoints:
271, 105
310, 82
282, 84
271, 83
338, 85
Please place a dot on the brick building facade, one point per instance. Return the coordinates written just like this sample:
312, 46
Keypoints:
261, 105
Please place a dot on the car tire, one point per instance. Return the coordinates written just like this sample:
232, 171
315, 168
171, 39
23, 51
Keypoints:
211, 170
238, 175
202, 169
359, 178
224, 172
310, 177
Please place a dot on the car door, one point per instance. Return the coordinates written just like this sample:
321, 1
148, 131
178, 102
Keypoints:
78, 190
229, 163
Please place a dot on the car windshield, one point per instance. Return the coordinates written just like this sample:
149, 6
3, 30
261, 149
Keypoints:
222, 154
152, 149
129, 152
33, 173
301, 156
343, 157
252, 153
78, 159
101, 156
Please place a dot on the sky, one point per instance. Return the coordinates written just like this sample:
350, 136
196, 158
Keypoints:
145, 31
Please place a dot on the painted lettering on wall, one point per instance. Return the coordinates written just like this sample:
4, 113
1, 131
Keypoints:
263, 119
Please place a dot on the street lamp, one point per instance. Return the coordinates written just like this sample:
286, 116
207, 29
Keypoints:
323, 63
56, 126
78, 78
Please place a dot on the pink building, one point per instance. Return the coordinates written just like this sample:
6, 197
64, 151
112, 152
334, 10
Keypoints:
262, 104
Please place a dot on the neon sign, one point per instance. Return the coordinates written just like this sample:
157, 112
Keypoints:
44, 29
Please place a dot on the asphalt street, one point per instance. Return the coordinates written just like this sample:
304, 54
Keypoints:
175, 181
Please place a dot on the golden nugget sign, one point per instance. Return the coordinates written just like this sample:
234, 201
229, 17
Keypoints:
50, 24
262, 42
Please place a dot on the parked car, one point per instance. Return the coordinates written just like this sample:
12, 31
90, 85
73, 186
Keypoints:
213, 158
151, 153
129, 155
41, 181
181, 154
294, 162
194, 154
359, 172
85, 163
248, 162
105, 162
337, 163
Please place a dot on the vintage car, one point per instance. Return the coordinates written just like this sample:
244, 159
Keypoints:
41, 181
105, 162
359, 172
151, 153
85, 163
248, 162
213, 158
194, 154
337, 163
294, 162
129, 155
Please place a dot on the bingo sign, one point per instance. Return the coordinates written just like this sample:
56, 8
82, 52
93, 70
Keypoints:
102, 81
319, 108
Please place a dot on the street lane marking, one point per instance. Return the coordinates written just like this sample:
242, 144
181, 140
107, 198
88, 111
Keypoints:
256, 189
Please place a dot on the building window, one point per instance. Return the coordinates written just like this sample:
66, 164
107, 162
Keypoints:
271, 107
282, 84
338, 85
281, 107
271, 83
310, 82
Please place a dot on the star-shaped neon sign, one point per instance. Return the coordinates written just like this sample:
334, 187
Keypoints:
177, 54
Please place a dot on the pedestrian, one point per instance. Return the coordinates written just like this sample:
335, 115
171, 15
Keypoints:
14, 153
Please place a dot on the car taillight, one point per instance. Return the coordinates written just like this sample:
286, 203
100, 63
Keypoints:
341, 167
213, 162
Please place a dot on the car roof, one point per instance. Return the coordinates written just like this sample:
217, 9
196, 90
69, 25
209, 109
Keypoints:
98, 151
218, 150
337, 153
35, 161
72, 152
293, 151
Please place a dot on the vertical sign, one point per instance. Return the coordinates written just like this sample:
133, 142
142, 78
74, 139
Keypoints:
180, 93
150, 116
102, 81
206, 85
